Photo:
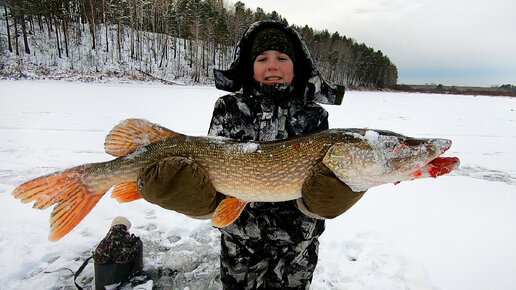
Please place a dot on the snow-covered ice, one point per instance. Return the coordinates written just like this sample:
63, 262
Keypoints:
454, 232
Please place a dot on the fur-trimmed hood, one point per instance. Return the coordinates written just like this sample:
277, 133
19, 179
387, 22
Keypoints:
307, 78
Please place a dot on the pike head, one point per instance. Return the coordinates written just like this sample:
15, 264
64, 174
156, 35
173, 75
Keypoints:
373, 157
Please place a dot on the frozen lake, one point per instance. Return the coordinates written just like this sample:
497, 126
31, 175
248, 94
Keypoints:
454, 232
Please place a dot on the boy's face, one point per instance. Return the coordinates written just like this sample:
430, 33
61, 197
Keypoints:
273, 67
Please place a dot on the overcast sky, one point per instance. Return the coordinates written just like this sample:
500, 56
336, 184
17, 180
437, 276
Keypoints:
452, 42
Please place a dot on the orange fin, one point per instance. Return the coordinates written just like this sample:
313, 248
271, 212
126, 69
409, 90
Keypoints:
228, 211
130, 134
126, 192
73, 198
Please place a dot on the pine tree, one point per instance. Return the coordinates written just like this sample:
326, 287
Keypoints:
152, 31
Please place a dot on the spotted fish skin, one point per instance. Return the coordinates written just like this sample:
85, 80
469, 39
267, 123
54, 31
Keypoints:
246, 171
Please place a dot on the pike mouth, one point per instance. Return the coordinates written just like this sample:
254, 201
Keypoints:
442, 165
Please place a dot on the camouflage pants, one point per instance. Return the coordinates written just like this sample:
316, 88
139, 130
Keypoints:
271, 246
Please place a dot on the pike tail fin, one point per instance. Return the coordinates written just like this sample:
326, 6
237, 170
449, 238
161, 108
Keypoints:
228, 211
130, 134
73, 198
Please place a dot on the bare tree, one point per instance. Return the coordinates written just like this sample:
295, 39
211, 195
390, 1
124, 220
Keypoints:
201, 34
8, 29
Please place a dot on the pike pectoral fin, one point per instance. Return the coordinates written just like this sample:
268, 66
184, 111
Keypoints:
126, 192
228, 211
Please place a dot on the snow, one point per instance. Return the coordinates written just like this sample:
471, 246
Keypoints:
454, 232
371, 136
246, 148
138, 152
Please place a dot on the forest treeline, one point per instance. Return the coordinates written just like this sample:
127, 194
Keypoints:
165, 38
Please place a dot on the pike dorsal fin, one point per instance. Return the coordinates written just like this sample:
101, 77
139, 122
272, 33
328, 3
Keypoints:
131, 134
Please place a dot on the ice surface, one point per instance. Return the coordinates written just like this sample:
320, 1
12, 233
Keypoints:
453, 232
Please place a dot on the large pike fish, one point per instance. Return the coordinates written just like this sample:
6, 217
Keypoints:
243, 171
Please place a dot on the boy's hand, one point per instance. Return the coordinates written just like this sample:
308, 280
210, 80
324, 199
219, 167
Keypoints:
324, 195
